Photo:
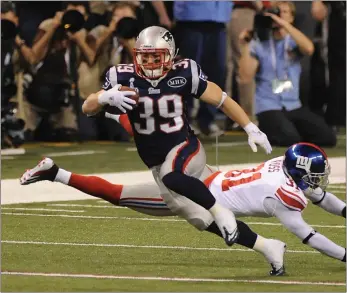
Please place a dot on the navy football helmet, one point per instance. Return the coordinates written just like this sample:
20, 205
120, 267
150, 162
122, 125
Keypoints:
307, 165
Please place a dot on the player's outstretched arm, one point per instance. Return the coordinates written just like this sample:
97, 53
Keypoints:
215, 96
294, 222
327, 201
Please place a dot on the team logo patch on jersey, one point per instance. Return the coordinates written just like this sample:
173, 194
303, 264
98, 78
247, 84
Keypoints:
106, 84
168, 37
177, 81
131, 82
202, 76
153, 91
303, 163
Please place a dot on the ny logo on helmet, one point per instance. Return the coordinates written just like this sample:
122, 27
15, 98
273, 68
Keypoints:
303, 163
168, 37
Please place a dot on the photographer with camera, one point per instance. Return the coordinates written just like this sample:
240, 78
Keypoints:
273, 59
14, 55
60, 46
120, 34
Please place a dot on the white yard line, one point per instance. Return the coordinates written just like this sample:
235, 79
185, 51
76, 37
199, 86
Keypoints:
18, 151
39, 209
230, 144
142, 246
7, 158
76, 153
12, 192
175, 279
159, 219
82, 205
338, 187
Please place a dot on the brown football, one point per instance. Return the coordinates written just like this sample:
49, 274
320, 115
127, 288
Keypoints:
115, 110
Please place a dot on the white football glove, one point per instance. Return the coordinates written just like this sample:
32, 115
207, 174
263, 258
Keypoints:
255, 136
116, 98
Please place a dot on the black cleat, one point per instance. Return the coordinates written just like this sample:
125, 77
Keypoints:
277, 272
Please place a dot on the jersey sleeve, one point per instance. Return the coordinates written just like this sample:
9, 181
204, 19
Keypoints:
110, 79
199, 79
292, 197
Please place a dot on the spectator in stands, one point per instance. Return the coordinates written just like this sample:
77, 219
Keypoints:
52, 93
242, 18
275, 64
335, 114
201, 36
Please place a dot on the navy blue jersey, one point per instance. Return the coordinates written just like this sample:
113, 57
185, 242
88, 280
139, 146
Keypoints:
159, 121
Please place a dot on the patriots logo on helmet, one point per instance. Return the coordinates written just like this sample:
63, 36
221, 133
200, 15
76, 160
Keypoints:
167, 37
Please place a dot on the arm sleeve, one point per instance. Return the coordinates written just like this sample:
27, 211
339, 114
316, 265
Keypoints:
327, 201
294, 222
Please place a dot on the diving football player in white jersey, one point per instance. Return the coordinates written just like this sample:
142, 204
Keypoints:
277, 188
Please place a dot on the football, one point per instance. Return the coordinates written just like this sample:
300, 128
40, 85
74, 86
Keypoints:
115, 110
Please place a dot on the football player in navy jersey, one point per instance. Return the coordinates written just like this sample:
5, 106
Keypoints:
164, 140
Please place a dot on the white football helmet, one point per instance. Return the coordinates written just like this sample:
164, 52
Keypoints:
154, 52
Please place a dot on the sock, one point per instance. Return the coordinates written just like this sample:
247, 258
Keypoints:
247, 237
213, 228
190, 187
124, 121
63, 176
97, 187
259, 244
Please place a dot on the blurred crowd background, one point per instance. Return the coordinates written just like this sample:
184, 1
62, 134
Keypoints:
55, 53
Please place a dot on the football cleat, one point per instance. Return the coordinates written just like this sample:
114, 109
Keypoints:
275, 256
277, 272
45, 170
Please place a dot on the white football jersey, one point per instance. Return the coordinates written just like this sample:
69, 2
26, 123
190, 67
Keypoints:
244, 191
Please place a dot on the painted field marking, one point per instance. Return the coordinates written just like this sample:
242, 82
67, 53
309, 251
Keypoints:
175, 279
231, 144
76, 153
142, 246
161, 219
81, 205
39, 209
338, 187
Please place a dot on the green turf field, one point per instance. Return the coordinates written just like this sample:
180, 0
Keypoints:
91, 245
94, 238
117, 157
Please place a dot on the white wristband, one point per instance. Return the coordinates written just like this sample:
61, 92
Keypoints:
224, 96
